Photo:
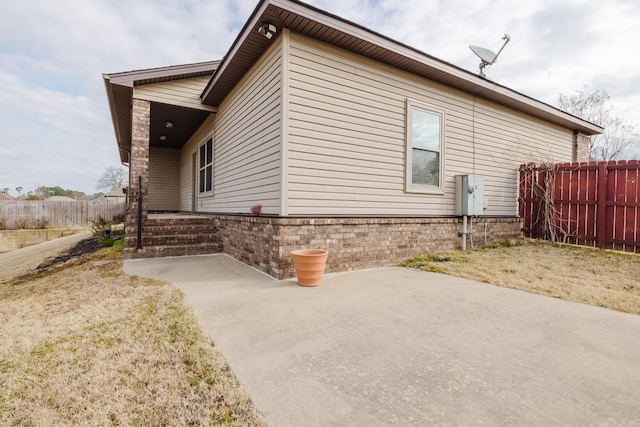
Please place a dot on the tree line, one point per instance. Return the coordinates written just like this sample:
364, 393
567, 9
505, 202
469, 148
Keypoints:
111, 179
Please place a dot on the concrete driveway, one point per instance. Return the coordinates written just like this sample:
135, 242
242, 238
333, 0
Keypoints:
394, 346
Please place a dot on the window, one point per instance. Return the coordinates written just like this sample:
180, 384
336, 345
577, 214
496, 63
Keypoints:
206, 166
424, 148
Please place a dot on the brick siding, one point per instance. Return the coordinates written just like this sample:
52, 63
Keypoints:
141, 119
174, 237
353, 243
581, 146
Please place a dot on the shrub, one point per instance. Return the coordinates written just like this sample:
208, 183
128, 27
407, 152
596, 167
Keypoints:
103, 229
118, 219
107, 242
22, 223
118, 246
41, 223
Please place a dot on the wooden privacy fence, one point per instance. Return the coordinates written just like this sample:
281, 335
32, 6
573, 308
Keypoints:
36, 213
594, 204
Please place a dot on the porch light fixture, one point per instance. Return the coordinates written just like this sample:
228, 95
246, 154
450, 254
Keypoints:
163, 137
268, 30
168, 124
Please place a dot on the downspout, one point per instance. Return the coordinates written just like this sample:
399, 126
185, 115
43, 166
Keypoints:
127, 165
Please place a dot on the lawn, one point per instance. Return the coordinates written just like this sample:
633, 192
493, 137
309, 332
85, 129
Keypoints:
88, 345
603, 278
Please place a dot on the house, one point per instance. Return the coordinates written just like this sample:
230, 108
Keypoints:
348, 140
60, 199
118, 192
6, 196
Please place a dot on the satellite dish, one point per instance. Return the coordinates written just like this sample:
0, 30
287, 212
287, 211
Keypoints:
486, 56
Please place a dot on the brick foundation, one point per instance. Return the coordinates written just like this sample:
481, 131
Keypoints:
353, 243
265, 243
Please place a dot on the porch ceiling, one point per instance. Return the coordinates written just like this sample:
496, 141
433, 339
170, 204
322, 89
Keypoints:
185, 122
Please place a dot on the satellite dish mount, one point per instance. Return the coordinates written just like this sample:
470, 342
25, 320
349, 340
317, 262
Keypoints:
486, 56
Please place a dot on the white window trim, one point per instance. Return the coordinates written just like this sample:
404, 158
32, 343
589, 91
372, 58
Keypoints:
209, 193
410, 187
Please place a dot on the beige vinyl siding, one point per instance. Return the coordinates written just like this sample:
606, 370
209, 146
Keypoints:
246, 136
164, 179
184, 92
346, 142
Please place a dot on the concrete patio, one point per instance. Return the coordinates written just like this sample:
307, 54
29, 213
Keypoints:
395, 346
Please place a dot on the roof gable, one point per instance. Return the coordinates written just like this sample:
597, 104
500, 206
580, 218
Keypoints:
119, 87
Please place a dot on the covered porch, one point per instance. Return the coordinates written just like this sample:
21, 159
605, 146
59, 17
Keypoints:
155, 112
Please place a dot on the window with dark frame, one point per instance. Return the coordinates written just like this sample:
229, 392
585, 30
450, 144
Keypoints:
206, 166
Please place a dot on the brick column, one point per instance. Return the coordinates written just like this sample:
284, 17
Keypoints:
581, 145
139, 166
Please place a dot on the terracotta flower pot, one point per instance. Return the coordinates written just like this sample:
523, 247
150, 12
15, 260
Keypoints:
256, 209
309, 265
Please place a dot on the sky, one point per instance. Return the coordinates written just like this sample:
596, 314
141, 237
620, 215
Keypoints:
55, 126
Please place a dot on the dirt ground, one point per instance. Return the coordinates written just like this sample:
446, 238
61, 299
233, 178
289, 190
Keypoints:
603, 278
25, 260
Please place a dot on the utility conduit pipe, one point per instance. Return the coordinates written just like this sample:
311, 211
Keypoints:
464, 232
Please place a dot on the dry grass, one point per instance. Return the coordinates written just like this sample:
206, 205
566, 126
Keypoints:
606, 279
89, 345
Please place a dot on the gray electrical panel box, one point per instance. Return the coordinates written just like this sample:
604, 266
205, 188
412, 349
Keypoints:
469, 195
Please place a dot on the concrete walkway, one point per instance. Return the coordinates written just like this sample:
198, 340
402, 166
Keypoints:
21, 261
395, 346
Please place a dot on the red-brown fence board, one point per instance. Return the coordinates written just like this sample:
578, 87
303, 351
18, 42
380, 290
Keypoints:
596, 204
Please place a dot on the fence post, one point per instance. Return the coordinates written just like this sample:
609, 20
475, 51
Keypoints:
542, 229
601, 217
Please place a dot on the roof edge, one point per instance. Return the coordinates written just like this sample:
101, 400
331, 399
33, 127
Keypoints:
466, 80
257, 12
483, 84
172, 72
114, 116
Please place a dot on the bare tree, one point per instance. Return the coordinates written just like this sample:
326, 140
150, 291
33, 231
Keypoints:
620, 137
112, 178
617, 142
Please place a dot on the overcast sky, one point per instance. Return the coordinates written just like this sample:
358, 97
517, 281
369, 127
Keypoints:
55, 127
